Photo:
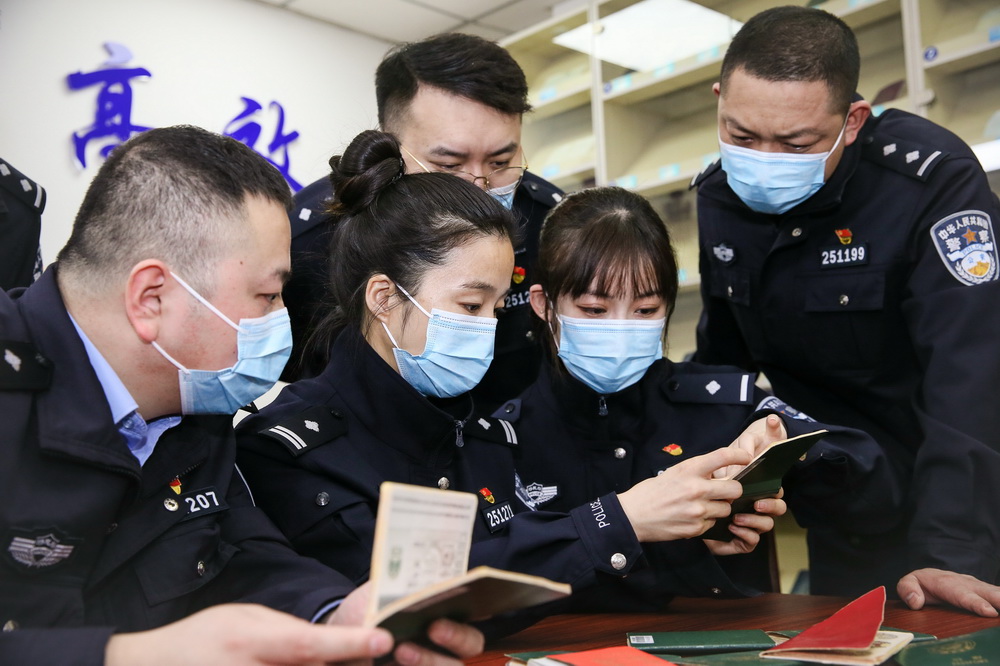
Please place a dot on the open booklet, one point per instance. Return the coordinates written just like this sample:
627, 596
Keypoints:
761, 478
420, 560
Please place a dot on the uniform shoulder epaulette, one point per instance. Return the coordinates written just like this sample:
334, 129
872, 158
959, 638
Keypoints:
491, 429
23, 368
718, 388
705, 173
309, 206
910, 158
22, 187
307, 430
541, 190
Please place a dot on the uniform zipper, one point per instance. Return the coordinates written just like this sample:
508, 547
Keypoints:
459, 439
602, 406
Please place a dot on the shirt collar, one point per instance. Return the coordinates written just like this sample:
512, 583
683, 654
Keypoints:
120, 400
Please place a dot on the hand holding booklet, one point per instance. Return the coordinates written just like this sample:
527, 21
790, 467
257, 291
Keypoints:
420, 560
761, 478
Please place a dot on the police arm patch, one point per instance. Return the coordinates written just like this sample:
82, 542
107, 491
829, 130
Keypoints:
964, 242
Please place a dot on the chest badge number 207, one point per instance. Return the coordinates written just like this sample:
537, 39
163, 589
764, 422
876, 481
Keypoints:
202, 502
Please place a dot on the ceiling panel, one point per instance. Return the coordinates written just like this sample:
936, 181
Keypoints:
411, 20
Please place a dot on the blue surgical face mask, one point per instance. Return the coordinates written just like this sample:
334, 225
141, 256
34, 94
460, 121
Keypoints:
263, 347
505, 194
774, 182
458, 352
609, 355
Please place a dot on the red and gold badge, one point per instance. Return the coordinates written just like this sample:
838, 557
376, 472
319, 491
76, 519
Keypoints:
487, 495
175, 486
518, 276
844, 236
673, 449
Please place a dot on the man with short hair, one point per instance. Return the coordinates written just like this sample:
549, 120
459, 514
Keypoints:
121, 510
455, 102
851, 259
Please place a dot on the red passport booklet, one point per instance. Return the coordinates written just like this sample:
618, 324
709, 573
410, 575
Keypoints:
852, 627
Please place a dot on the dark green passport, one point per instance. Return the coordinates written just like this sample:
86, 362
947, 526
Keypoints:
981, 648
700, 642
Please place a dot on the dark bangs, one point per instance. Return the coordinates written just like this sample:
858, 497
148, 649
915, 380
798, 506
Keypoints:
610, 242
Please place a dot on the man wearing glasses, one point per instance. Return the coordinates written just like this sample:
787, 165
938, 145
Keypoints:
455, 102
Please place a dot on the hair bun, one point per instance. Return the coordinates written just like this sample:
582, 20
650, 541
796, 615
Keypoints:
371, 163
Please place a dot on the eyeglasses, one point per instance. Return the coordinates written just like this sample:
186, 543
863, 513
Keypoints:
506, 178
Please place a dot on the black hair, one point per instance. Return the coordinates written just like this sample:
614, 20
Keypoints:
387, 221
173, 193
463, 65
606, 240
797, 44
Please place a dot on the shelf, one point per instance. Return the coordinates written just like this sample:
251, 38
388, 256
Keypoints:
705, 67
962, 54
958, 36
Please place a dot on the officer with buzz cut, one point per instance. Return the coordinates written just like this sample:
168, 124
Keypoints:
21, 204
852, 259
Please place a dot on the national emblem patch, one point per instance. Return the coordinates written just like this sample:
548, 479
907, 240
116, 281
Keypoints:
965, 243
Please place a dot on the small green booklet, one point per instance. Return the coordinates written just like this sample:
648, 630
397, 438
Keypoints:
702, 642
761, 478
981, 648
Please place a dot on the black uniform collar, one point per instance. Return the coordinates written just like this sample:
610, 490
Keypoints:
579, 406
385, 403
71, 421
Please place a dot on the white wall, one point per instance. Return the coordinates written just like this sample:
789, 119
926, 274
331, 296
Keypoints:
203, 56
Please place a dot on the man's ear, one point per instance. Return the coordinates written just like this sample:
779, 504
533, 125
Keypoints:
539, 304
856, 117
378, 294
717, 89
144, 291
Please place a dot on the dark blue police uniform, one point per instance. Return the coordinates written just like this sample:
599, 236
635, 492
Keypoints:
315, 457
21, 204
517, 356
577, 444
875, 304
91, 542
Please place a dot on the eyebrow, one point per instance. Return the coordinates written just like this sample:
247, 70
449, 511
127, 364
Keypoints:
477, 286
444, 151
806, 131
283, 274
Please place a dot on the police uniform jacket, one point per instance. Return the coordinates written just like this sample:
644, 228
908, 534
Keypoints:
21, 204
517, 356
92, 543
577, 444
875, 303
315, 457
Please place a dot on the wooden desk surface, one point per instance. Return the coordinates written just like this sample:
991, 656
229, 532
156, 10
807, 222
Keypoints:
769, 611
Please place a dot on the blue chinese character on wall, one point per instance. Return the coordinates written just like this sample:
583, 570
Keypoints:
246, 129
113, 115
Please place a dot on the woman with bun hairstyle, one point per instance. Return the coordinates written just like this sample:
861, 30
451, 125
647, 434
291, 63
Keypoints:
421, 261
608, 411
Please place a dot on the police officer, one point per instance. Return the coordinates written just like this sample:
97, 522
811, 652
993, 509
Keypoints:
852, 260
415, 281
119, 507
22, 202
455, 102
607, 411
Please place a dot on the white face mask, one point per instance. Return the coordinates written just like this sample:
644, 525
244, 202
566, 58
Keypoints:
609, 355
456, 356
774, 183
264, 345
